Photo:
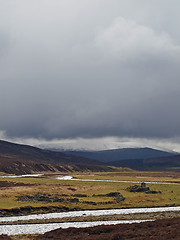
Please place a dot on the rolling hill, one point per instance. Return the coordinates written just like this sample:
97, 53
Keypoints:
170, 163
135, 158
122, 154
23, 159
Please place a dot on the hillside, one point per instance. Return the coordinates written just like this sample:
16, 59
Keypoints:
23, 159
122, 154
135, 158
161, 229
171, 163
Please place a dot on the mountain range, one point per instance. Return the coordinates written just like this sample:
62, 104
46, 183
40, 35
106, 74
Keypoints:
25, 159
135, 158
122, 154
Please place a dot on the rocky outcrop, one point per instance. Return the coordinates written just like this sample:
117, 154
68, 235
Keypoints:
74, 198
141, 188
46, 198
116, 195
137, 188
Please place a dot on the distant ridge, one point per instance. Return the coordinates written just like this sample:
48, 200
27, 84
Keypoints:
122, 154
170, 163
25, 159
135, 158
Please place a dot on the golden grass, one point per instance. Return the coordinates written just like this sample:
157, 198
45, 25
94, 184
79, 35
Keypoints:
131, 176
24, 237
170, 195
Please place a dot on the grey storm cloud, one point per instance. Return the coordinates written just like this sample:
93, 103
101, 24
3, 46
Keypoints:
90, 68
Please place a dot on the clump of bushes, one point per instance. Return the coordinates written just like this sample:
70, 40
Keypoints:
116, 195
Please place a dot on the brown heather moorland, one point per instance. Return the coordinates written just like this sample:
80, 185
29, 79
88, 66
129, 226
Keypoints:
160, 229
163, 229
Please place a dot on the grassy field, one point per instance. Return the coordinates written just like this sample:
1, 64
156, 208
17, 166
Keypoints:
132, 176
169, 196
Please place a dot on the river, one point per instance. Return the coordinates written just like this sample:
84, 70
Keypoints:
42, 228
70, 178
86, 213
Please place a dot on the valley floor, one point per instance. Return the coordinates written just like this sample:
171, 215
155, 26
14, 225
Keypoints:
45, 193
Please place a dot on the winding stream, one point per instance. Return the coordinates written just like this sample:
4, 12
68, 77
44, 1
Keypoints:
86, 213
21, 176
89, 180
70, 178
42, 228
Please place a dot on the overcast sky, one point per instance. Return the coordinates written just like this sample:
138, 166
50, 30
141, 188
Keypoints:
90, 69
